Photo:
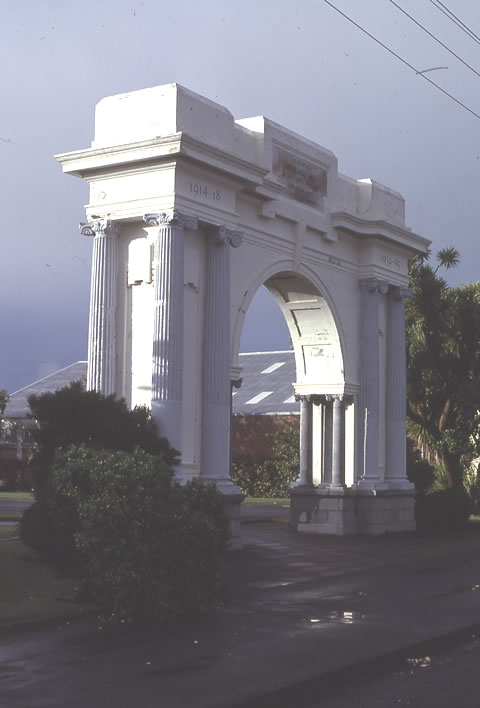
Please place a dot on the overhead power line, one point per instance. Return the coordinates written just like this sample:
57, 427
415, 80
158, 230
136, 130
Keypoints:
435, 38
404, 61
451, 16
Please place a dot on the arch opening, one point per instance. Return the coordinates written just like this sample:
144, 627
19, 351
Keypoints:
326, 420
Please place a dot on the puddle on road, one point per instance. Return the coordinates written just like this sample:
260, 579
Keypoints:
268, 586
338, 616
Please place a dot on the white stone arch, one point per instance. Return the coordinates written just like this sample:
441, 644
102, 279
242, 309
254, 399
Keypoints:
268, 274
217, 207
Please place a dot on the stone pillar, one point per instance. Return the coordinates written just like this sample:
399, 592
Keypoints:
327, 438
395, 414
368, 421
305, 478
167, 351
216, 385
103, 289
338, 442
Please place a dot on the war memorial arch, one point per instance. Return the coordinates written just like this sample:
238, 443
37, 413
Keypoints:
190, 212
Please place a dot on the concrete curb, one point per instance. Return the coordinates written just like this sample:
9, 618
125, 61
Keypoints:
302, 694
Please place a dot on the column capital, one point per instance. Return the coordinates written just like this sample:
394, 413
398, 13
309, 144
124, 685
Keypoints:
224, 236
101, 226
172, 218
303, 397
344, 398
374, 285
397, 292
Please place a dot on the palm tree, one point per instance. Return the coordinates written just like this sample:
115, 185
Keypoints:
443, 366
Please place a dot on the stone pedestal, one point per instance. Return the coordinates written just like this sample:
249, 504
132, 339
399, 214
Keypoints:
342, 512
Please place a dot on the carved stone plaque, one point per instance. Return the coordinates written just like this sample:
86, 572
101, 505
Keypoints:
305, 181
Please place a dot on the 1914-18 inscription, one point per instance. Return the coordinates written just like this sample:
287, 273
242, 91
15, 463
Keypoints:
305, 181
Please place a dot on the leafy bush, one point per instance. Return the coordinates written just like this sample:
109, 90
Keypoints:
445, 510
148, 546
72, 415
69, 416
420, 472
272, 477
48, 529
471, 483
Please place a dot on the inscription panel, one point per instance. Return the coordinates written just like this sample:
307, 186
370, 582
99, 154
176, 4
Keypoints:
392, 262
201, 189
305, 181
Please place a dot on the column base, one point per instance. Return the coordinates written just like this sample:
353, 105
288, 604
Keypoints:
351, 511
233, 497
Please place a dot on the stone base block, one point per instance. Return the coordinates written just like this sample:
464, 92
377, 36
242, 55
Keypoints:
233, 502
351, 511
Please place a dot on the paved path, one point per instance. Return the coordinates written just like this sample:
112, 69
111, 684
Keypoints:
298, 613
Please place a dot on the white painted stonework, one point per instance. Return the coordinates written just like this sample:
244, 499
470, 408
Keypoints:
190, 213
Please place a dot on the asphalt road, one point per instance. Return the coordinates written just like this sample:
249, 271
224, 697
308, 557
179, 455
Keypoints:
9, 505
450, 680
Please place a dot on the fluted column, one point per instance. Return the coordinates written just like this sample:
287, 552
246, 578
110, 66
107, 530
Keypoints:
395, 414
216, 386
167, 350
305, 477
338, 442
368, 421
328, 440
103, 288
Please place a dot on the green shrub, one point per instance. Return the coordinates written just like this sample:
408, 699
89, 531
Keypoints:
72, 415
69, 416
149, 547
445, 510
272, 477
420, 472
471, 483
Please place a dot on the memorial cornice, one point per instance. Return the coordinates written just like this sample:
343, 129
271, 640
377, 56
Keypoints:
368, 228
94, 161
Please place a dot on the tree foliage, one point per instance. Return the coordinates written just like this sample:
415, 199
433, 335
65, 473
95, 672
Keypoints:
4, 398
73, 416
443, 365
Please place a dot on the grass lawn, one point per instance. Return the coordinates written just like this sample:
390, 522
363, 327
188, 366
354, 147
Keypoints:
31, 591
16, 496
267, 500
10, 515
8, 531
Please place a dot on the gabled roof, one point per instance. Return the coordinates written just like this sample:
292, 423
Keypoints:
266, 387
267, 384
17, 406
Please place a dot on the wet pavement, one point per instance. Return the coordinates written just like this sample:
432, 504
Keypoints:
298, 613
